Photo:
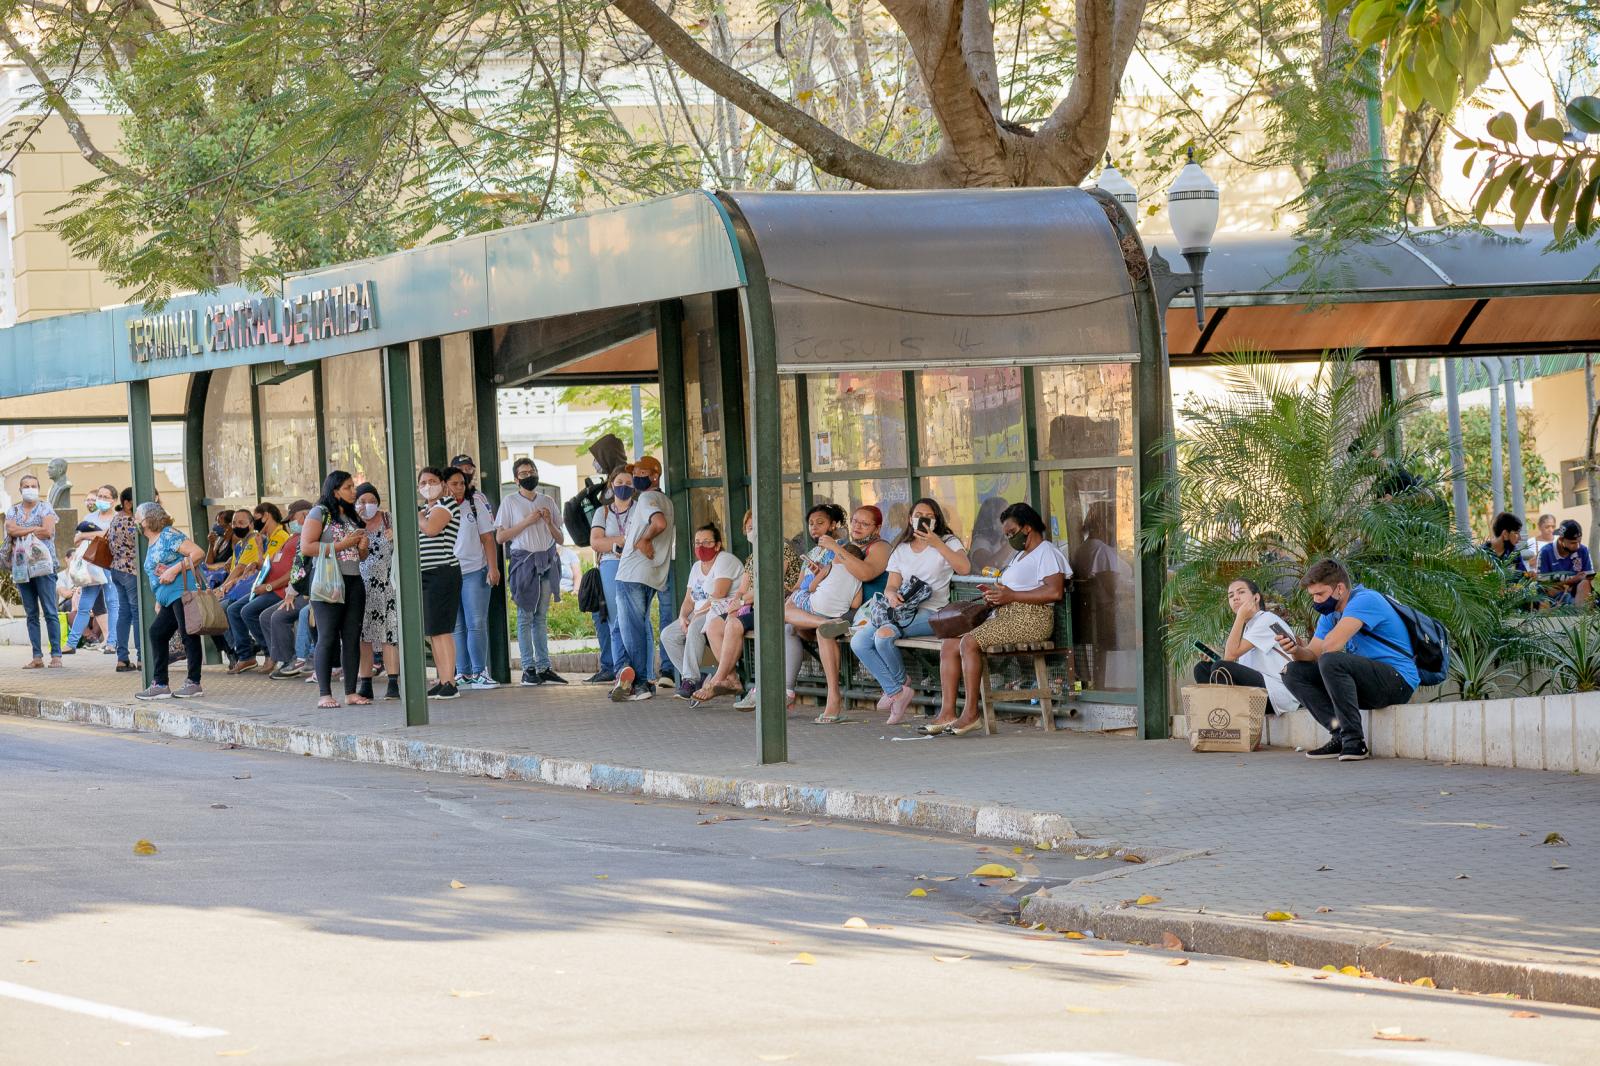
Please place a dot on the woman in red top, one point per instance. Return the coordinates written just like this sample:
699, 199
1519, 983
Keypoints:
270, 593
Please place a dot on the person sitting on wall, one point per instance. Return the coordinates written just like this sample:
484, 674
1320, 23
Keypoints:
1566, 567
1359, 657
1251, 656
827, 593
1504, 545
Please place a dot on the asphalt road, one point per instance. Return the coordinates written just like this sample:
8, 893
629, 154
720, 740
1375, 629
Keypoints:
302, 911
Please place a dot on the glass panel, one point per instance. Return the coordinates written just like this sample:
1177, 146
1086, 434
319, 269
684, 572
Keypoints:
970, 416
793, 518
289, 438
892, 496
972, 504
419, 439
1083, 412
352, 393
702, 385
461, 403
707, 505
788, 397
230, 439
858, 421
1091, 518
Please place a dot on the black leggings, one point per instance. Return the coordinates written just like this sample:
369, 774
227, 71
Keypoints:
339, 635
1239, 675
169, 620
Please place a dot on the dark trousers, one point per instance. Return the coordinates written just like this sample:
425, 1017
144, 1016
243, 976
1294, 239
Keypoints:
1236, 674
1338, 685
169, 620
339, 635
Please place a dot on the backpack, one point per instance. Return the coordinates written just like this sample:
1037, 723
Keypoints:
592, 593
578, 512
1430, 642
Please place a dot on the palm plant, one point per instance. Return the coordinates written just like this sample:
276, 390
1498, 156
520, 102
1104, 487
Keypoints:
1573, 656
1279, 472
1479, 670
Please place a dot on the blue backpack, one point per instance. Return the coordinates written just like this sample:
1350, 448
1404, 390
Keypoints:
1430, 642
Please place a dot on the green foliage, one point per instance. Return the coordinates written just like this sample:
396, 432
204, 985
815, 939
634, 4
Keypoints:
618, 400
1277, 473
1573, 655
1429, 433
1479, 671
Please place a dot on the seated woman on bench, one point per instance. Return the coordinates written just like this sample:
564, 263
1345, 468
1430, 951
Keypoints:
828, 592
1031, 584
733, 618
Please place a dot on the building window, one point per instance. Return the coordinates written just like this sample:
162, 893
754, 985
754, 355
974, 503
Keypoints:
1574, 483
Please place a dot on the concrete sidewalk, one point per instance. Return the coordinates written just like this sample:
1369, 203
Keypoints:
1380, 845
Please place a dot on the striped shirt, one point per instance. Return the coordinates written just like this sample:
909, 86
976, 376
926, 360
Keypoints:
440, 549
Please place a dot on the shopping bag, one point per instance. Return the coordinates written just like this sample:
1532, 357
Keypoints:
82, 571
203, 613
1224, 717
327, 583
98, 552
30, 558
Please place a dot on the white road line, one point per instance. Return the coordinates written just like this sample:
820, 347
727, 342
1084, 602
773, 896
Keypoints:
1074, 1058
169, 1026
1422, 1057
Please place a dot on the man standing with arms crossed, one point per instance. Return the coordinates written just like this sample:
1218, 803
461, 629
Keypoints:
642, 575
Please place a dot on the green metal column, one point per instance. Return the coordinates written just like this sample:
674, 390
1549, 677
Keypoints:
913, 420
402, 458
143, 452
194, 472
431, 373
486, 397
735, 437
675, 435
1386, 395
322, 425
766, 480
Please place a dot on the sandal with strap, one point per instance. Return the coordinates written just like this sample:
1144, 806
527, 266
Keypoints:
358, 701
327, 703
37, 664
830, 719
704, 694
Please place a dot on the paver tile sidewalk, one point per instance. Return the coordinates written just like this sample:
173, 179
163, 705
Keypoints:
1382, 844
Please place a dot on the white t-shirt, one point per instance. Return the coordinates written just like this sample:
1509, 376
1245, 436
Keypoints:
832, 598
103, 522
930, 566
1028, 572
725, 565
1264, 657
1095, 557
476, 520
635, 566
569, 563
516, 507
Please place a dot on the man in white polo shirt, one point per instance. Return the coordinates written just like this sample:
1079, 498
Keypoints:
530, 525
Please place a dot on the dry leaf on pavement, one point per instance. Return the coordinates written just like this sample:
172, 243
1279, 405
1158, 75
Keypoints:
1555, 839
1177, 962
951, 958
1523, 1014
1171, 941
1424, 982
1559, 866
1145, 900
993, 869
855, 923
144, 847
1135, 859
1393, 1032
917, 893
1280, 916
457, 884
1075, 935
1106, 954
803, 959
1023, 966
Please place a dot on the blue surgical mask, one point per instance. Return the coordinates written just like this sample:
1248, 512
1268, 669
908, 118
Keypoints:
622, 492
641, 483
102, 505
294, 527
1327, 606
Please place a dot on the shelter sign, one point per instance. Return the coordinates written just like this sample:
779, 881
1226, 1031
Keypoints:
191, 331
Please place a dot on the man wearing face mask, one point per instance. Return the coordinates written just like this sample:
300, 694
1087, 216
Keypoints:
529, 524
1360, 656
642, 575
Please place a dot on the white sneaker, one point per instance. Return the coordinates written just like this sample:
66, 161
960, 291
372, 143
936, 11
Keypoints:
747, 702
484, 681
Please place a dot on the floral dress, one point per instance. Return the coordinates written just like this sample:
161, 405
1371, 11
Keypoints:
381, 623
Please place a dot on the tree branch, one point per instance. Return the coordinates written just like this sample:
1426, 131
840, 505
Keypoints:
56, 98
833, 153
1074, 136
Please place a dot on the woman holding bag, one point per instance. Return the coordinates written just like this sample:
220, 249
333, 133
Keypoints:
87, 567
380, 624
335, 537
31, 534
172, 564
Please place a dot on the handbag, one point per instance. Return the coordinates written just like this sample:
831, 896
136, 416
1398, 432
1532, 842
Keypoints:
327, 583
959, 619
203, 614
1224, 717
98, 552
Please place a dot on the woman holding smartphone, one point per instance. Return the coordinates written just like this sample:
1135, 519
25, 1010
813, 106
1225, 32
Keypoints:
1251, 657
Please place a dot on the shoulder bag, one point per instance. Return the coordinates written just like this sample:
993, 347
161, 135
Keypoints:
203, 614
959, 619
98, 552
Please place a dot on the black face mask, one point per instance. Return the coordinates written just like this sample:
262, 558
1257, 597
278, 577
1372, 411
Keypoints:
529, 483
241, 531
259, 524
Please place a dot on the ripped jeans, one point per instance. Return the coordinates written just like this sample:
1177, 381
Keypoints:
879, 655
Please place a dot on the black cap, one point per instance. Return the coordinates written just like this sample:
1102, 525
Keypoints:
464, 460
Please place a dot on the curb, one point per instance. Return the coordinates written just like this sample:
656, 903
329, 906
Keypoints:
939, 814
1278, 942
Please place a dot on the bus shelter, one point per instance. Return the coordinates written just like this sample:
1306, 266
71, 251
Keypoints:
978, 346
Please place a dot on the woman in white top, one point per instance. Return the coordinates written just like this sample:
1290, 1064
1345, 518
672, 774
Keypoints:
1251, 655
826, 594
925, 549
711, 579
1030, 586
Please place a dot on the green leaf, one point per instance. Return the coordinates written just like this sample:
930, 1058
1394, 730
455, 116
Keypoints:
1494, 189
1584, 114
1503, 127
1522, 199
1534, 116
1549, 130
1567, 199
1583, 215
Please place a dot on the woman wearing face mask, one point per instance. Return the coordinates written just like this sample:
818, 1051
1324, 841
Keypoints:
1030, 585
334, 522
288, 641
438, 523
711, 578
123, 537
31, 534
731, 619
171, 564
380, 624
606, 538
927, 550
94, 526
248, 595
873, 566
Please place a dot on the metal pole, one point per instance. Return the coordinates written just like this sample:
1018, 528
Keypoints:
430, 373
1497, 473
1513, 435
1592, 474
486, 393
638, 423
402, 494
141, 449
1458, 461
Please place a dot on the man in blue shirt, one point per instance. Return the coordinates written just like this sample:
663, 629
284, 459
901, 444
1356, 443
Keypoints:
1360, 656
1568, 560
1504, 547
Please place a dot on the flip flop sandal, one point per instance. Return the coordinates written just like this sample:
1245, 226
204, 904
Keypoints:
358, 701
37, 664
830, 719
327, 703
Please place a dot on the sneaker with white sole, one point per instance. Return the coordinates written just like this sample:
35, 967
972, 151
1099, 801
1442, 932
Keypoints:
187, 690
1356, 752
154, 692
485, 682
640, 692
747, 702
624, 686
1330, 750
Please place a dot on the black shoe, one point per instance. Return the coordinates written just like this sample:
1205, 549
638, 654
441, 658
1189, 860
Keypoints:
550, 677
444, 692
364, 687
532, 679
123, 666
393, 692
1330, 750
1356, 752
599, 677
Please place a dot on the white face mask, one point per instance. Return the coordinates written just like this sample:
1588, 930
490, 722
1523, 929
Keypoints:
430, 491
366, 511
30, 495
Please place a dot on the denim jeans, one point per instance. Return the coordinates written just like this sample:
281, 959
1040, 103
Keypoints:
124, 612
1338, 685
304, 641
602, 634
288, 632
667, 613
251, 614
879, 655
472, 625
239, 636
638, 642
533, 629
88, 596
608, 582
39, 604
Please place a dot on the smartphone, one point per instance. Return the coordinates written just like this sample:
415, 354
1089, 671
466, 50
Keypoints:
1207, 651
925, 524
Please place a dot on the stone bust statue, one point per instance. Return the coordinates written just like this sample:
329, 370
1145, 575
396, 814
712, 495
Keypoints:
60, 487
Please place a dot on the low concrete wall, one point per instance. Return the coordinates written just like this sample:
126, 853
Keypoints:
1559, 733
